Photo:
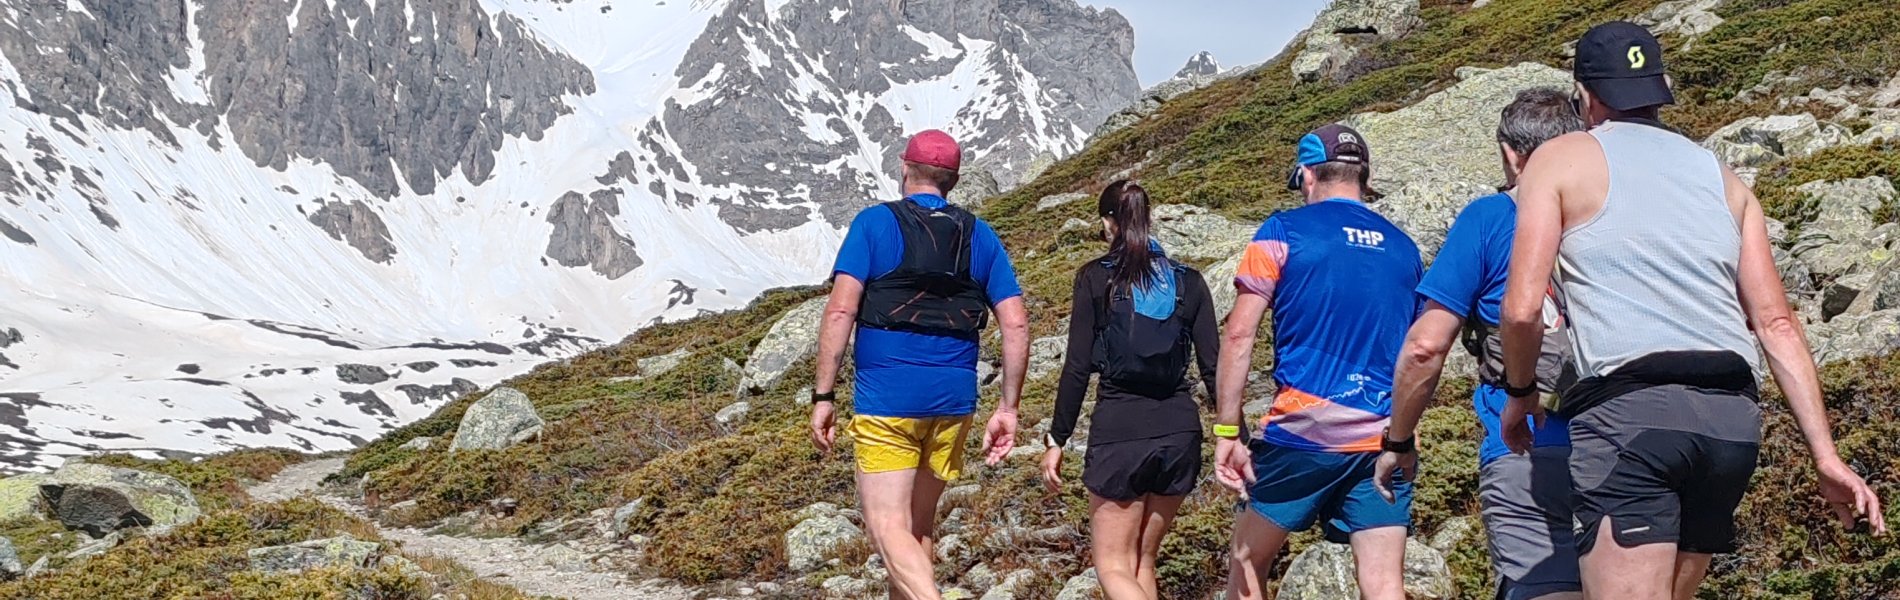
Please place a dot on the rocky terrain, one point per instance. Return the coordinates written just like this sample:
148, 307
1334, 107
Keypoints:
681, 453
213, 209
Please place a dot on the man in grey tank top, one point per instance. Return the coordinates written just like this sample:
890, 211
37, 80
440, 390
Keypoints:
1665, 263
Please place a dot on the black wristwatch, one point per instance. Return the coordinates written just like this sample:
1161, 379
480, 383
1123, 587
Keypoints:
1406, 446
1519, 392
831, 396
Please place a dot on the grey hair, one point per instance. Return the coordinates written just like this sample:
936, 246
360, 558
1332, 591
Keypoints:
1538, 115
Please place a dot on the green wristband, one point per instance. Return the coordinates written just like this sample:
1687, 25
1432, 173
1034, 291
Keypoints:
1227, 431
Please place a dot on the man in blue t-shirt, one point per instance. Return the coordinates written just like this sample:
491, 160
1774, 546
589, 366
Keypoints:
916, 280
1526, 505
1338, 278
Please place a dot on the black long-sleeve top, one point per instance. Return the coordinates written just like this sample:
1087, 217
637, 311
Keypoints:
1122, 415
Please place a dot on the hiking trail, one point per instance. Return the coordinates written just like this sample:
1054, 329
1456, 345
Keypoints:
558, 570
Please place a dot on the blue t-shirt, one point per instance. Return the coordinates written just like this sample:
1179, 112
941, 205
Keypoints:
1468, 276
915, 375
1341, 278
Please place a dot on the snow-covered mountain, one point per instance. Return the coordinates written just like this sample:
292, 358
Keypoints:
264, 222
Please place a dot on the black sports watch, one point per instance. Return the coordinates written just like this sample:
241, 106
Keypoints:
1519, 392
1406, 446
831, 396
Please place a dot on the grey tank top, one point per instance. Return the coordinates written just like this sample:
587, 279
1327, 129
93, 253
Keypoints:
1656, 269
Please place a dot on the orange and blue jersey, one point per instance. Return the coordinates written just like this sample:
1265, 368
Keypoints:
1341, 279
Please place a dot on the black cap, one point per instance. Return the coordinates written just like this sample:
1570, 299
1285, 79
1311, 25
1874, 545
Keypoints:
1621, 63
1329, 143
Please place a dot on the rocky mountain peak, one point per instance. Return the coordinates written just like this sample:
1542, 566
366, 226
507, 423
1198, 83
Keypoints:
1201, 65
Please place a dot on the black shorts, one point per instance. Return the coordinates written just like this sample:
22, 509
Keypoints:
1666, 464
1169, 465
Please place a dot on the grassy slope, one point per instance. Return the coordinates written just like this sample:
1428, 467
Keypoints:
207, 558
719, 500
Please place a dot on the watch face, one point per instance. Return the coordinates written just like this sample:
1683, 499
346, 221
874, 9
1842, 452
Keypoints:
1049, 441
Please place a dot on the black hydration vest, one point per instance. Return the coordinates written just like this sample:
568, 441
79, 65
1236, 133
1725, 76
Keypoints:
1140, 354
932, 291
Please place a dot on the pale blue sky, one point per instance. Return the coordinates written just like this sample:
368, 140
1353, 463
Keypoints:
1238, 32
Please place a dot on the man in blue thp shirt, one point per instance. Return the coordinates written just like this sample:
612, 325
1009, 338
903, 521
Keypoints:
1525, 499
917, 279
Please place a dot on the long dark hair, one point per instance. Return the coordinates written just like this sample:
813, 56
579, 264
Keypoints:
1125, 204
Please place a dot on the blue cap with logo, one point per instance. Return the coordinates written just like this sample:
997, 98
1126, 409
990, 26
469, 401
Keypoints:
1331, 143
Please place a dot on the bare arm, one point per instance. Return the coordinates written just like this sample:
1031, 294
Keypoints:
1766, 303
1534, 257
834, 333
1236, 356
1421, 363
1013, 317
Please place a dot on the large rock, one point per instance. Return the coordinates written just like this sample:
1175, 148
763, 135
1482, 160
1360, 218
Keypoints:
1081, 587
1345, 27
341, 551
10, 567
655, 366
1427, 176
820, 532
1188, 231
20, 496
1220, 283
1852, 336
1755, 141
793, 338
974, 187
1888, 96
1048, 202
733, 414
503, 418
1325, 571
1011, 586
1045, 356
1845, 237
100, 500
1688, 18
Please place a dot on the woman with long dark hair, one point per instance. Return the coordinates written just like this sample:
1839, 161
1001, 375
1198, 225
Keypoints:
1137, 317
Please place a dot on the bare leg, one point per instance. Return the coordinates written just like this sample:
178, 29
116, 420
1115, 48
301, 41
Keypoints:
1257, 543
1158, 516
888, 503
1115, 535
1690, 569
1379, 555
1612, 572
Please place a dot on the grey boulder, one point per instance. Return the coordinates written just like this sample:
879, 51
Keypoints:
1325, 571
100, 500
1192, 232
1427, 176
501, 419
20, 496
1756, 141
821, 531
341, 551
1080, 587
655, 366
793, 338
10, 567
1344, 27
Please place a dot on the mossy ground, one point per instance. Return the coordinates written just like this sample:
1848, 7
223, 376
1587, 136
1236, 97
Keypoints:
720, 498
207, 558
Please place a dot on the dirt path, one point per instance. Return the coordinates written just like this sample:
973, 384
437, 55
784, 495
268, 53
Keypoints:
558, 570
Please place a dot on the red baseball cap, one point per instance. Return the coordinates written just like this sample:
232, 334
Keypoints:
934, 148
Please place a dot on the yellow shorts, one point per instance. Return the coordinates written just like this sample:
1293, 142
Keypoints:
887, 444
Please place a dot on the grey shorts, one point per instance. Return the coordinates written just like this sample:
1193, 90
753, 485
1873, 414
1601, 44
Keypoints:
1527, 516
1666, 464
